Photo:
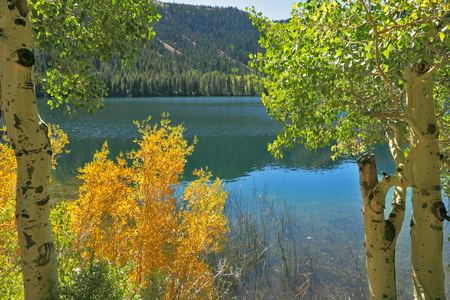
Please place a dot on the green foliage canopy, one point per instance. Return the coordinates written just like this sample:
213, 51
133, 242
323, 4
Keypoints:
337, 69
76, 32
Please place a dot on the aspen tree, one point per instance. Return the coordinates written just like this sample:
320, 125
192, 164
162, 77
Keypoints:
350, 74
73, 33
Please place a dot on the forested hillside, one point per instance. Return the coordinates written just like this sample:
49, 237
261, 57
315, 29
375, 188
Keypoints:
198, 51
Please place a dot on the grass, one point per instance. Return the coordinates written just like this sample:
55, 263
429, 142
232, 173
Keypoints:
264, 257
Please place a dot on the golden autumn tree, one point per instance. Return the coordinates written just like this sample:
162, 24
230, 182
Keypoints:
130, 214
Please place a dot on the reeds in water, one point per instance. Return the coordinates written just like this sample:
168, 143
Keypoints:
264, 257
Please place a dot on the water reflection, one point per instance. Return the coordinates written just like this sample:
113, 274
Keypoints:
232, 133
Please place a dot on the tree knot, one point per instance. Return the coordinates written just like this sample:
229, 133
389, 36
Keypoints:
26, 57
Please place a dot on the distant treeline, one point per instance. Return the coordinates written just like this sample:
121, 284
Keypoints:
198, 51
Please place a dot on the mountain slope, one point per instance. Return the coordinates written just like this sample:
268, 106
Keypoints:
198, 51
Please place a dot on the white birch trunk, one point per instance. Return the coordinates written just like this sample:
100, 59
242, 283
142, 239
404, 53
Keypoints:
427, 222
28, 135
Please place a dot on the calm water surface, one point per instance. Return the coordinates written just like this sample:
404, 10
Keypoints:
233, 134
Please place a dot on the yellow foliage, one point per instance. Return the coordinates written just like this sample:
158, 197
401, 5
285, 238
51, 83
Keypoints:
129, 215
105, 207
7, 195
203, 226
59, 140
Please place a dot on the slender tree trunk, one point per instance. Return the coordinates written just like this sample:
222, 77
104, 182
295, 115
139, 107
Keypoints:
28, 135
380, 234
427, 218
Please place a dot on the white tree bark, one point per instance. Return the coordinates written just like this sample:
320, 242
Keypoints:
380, 234
427, 216
28, 135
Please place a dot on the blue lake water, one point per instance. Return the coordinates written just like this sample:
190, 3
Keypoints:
233, 134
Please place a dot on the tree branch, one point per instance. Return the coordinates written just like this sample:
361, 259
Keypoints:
377, 54
430, 72
354, 93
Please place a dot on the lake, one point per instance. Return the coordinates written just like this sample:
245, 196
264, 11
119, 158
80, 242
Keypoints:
233, 134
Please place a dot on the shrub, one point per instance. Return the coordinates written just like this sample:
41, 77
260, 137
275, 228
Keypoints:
130, 216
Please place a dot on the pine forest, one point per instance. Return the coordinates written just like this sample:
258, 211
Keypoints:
197, 51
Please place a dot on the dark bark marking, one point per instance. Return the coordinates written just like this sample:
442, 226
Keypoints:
389, 231
29, 85
20, 22
400, 206
30, 171
29, 241
431, 129
26, 187
439, 211
43, 201
31, 227
411, 224
26, 57
436, 187
425, 192
17, 121
45, 253
39, 278
435, 227
21, 5
27, 216
43, 126
365, 185
39, 189
424, 205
